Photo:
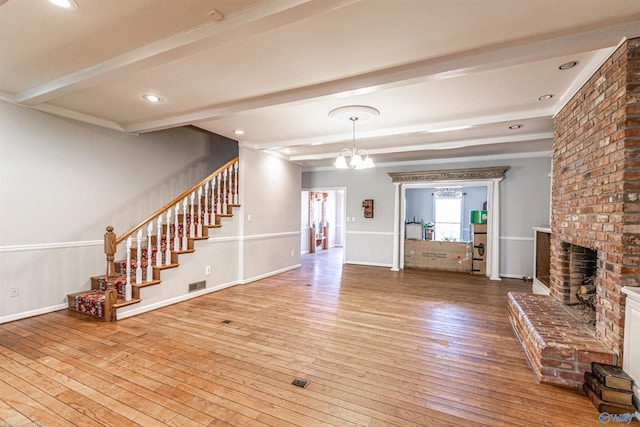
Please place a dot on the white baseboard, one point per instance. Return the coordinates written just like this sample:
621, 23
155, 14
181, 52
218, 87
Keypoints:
271, 273
175, 300
146, 308
191, 295
371, 264
513, 276
31, 313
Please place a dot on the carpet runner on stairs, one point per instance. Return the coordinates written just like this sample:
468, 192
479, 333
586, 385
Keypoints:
92, 302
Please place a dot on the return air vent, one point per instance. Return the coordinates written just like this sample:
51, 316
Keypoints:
197, 286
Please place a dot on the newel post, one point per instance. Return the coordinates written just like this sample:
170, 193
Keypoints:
111, 296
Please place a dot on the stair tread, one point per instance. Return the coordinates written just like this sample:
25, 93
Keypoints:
123, 303
145, 284
166, 266
75, 294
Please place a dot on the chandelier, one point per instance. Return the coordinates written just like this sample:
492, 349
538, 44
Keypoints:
448, 193
354, 158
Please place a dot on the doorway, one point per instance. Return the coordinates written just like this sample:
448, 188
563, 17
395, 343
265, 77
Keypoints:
322, 217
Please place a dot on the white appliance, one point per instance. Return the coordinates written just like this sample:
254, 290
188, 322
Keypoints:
631, 357
414, 231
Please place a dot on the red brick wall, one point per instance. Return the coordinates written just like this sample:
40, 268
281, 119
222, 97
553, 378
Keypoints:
596, 186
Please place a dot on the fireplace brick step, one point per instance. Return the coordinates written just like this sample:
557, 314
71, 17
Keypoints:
558, 347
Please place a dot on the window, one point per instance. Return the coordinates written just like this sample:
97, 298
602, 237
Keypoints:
448, 215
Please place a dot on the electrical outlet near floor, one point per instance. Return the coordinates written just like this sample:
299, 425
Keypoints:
14, 291
293, 252
207, 270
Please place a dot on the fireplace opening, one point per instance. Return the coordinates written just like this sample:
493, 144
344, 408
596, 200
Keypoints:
583, 266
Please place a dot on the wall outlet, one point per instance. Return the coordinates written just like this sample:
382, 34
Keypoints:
249, 218
207, 270
14, 291
292, 252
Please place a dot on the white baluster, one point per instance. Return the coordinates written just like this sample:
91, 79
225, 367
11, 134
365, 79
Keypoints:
200, 212
176, 228
225, 188
139, 256
184, 224
235, 184
192, 226
159, 243
167, 253
149, 251
231, 187
206, 203
127, 286
219, 195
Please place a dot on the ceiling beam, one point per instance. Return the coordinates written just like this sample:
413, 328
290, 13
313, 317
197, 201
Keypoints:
432, 69
186, 43
447, 145
424, 128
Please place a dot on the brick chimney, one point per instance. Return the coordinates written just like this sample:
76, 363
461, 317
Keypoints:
596, 187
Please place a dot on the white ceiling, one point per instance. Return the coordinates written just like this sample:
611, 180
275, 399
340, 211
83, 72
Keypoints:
275, 68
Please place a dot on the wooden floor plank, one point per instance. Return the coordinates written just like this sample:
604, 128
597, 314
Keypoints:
71, 415
380, 348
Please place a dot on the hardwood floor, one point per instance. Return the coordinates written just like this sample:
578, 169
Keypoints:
379, 348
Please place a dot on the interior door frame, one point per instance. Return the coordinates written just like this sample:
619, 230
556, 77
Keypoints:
493, 224
343, 214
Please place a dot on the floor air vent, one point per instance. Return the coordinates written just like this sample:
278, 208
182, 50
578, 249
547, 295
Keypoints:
197, 286
300, 383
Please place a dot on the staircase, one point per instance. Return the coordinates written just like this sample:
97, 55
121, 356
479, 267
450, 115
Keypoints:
154, 244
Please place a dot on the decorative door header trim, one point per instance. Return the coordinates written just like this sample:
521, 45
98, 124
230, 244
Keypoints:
493, 172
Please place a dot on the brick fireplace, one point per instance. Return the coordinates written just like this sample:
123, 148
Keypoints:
596, 209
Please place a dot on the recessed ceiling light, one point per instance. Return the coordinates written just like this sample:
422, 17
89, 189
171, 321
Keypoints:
66, 4
149, 97
545, 97
238, 132
515, 126
568, 65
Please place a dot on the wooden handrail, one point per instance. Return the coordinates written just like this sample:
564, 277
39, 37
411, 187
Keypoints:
122, 237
